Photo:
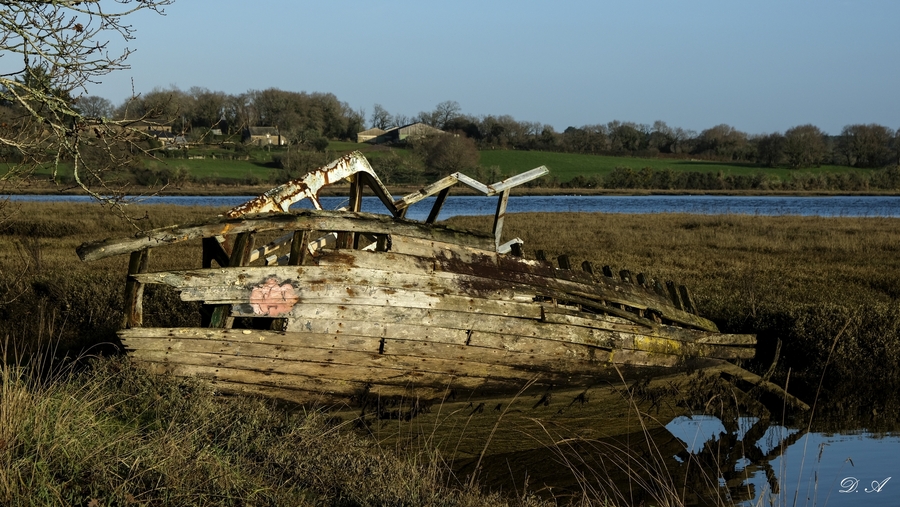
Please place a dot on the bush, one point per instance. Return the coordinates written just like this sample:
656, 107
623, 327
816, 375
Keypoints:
394, 169
445, 154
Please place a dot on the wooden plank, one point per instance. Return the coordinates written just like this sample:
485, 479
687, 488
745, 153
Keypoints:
546, 334
479, 346
337, 284
353, 366
532, 354
575, 318
300, 220
446, 275
438, 186
423, 324
474, 184
394, 370
687, 299
673, 294
518, 179
399, 385
344, 349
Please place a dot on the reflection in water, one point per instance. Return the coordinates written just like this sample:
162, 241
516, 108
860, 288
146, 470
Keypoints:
698, 462
787, 466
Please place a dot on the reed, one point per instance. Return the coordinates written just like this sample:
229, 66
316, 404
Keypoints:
112, 434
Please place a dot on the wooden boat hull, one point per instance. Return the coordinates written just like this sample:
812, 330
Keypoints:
368, 305
427, 319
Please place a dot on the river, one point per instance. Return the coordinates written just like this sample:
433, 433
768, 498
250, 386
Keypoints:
841, 206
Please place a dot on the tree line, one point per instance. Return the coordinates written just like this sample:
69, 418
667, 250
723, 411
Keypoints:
305, 117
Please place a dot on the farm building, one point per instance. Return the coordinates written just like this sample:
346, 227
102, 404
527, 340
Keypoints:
263, 136
368, 135
397, 134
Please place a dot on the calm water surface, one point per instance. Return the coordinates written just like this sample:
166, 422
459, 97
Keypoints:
849, 206
837, 469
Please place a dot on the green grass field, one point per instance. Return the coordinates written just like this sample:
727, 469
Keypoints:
563, 166
566, 166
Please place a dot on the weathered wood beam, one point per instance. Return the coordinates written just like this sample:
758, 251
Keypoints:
438, 186
299, 248
301, 220
242, 245
499, 217
134, 289
673, 295
438, 204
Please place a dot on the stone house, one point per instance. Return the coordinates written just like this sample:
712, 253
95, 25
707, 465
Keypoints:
263, 136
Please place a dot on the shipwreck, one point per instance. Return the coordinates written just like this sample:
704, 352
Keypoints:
339, 306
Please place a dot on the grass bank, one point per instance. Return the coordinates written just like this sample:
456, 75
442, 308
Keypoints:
114, 435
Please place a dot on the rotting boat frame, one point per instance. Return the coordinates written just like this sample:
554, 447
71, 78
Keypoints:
363, 305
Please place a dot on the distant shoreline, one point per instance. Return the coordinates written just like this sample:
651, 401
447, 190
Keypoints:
396, 191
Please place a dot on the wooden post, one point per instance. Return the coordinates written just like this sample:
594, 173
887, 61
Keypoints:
134, 290
658, 288
299, 248
587, 267
673, 295
564, 263
687, 300
607, 272
438, 204
242, 246
499, 216
625, 275
348, 239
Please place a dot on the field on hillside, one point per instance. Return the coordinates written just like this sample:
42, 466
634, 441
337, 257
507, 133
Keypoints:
565, 166
203, 167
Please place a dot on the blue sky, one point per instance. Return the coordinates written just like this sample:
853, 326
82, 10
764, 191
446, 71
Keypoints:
761, 66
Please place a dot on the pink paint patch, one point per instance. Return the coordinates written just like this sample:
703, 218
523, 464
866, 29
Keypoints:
271, 299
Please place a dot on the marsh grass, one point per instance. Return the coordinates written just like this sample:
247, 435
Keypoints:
791, 279
112, 434
108, 431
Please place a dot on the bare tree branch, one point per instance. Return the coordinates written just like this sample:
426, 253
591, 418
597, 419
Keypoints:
51, 51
